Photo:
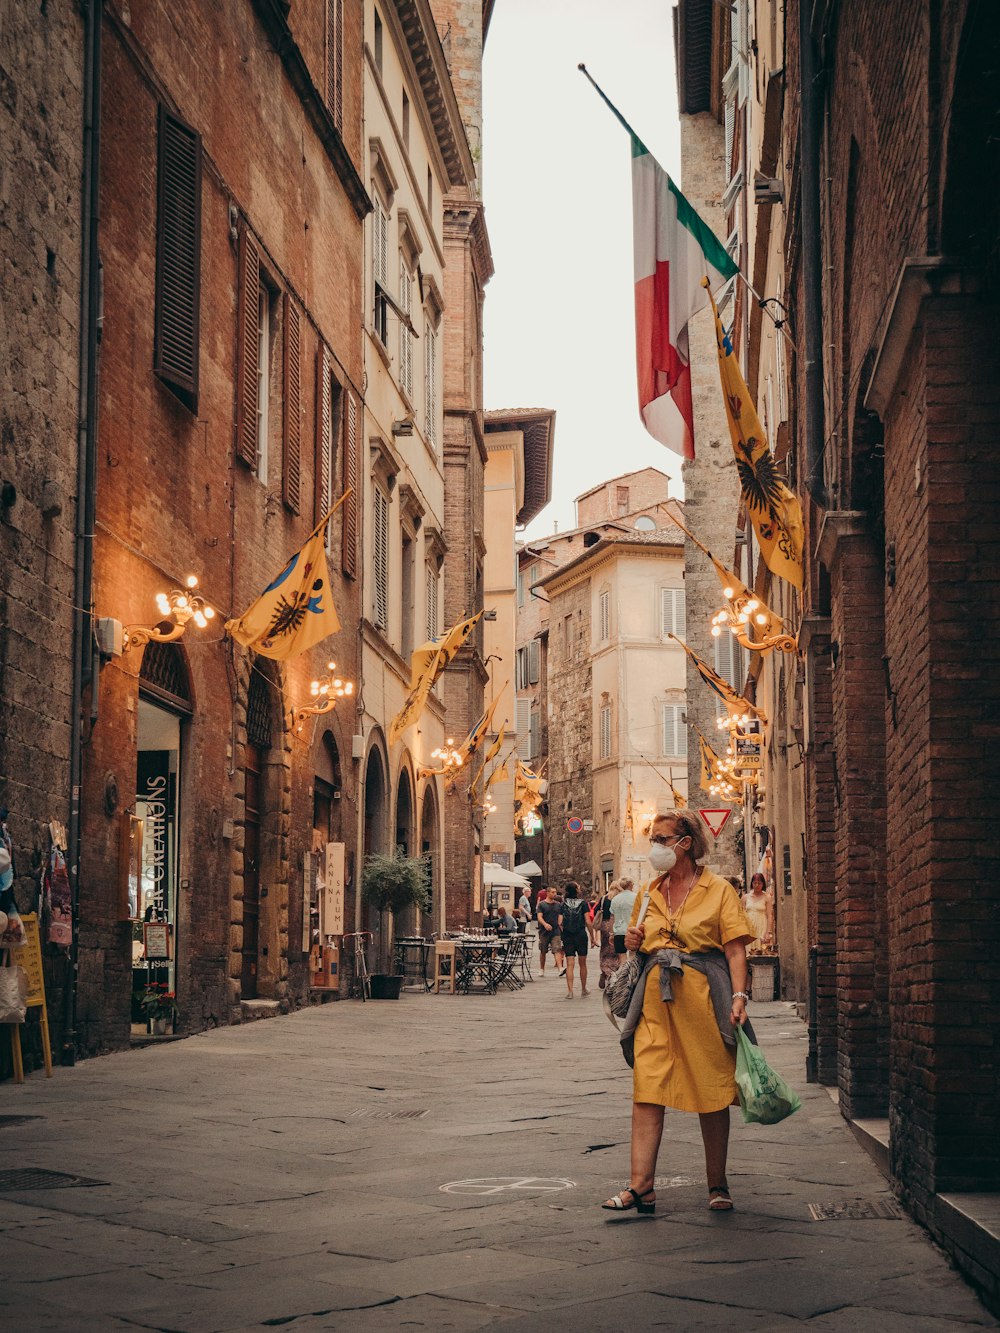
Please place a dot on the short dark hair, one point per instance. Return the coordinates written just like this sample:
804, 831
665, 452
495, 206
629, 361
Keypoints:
571, 888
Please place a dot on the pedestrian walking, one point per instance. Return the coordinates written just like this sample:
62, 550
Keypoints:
759, 907
575, 931
524, 910
549, 938
605, 936
691, 993
621, 913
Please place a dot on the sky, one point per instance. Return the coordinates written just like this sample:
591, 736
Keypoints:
558, 327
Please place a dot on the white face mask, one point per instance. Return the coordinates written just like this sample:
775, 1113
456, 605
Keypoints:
662, 859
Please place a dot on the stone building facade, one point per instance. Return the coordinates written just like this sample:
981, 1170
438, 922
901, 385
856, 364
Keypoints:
42, 228
885, 152
231, 390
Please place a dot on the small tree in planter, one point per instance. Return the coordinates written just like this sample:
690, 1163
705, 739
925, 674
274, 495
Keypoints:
392, 884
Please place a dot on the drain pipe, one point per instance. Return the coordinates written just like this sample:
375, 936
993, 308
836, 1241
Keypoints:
84, 656
812, 259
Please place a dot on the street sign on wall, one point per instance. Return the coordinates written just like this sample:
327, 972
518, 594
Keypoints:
574, 825
716, 820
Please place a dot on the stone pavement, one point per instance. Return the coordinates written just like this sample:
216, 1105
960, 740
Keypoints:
436, 1163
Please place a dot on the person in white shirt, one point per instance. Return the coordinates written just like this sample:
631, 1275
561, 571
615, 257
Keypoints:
524, 908
621, 911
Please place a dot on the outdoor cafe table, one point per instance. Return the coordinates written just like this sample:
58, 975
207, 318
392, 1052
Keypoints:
411, 954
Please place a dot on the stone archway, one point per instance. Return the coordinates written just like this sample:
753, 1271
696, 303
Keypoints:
430, 837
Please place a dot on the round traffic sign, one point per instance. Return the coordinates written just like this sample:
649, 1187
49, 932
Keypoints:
574, 825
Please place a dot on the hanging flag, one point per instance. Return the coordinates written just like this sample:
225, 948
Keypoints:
426, 664
762, 629
774, 510
497, 745
629, 814
675, 254
474, 739
735, 703
680, 802
712, 776
500, 774
294, 612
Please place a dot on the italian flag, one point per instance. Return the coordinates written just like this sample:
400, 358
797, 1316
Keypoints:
674, 251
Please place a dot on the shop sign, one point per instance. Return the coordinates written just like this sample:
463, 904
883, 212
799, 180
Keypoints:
156, 940
748, 750
333, 893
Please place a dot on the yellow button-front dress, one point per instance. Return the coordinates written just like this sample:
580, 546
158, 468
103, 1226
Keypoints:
680, 1057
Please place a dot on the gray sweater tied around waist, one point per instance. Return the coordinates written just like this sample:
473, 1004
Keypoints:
670, 962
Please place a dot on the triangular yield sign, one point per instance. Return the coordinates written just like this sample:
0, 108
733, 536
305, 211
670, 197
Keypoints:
716, 820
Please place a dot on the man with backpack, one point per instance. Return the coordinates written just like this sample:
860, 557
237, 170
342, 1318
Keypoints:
574, 929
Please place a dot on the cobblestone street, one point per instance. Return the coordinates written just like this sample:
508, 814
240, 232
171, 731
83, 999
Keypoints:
437, 1163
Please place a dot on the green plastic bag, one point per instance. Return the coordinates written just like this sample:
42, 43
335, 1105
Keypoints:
765, 1097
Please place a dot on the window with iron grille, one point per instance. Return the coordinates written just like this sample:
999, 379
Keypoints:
380, 557
674, 731
164, 675
259, 710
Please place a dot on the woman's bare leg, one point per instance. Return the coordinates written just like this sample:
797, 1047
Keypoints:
715, 1134
570, 965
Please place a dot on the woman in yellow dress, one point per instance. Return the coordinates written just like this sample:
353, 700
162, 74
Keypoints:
692, 995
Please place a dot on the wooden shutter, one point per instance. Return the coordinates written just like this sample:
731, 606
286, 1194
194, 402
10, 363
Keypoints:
335, 61
352, 479
534, 732
291, 421
674, 731
178, 258
533, 655
605, 751
324, 427
432, 600
523, 724
672, 611
380, 557
247, 349
729, 659
605, 601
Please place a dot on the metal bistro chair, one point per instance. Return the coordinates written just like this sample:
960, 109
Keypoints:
478, 967
506, 964
523, 958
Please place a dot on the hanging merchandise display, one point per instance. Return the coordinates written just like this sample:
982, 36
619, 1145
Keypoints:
58, 900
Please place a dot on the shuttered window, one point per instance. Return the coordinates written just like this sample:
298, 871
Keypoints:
352, 482
291, 423
324, 434
534, 732
380, 268
605, 732
534, 652
430, 383
729, 660
335, 61
674, 740
248, 349
380, 558
405, 336
178, 258
263, 378
523, 727
432, 600
605, 616
672, 612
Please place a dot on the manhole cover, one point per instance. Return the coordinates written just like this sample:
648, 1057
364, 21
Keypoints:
382, 1113
7, 1120
855, 1210
33, 1178
489, 1185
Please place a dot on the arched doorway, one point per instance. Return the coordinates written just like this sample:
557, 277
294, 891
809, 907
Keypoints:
405, 841
254, 766
375, 839
164, 707
429, 839
327, 909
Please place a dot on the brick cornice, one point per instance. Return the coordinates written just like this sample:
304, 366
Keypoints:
837, 526
812, 631
919, 277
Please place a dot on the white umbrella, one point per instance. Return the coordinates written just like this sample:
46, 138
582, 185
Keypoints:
528, 868
494, 874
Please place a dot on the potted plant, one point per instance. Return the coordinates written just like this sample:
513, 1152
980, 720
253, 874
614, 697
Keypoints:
159, 1006
392, 884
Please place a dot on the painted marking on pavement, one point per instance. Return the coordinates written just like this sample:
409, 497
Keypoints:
484, 1186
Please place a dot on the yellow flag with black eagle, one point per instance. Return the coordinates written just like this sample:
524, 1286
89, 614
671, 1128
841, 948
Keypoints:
735, 703
296, 611
774, 510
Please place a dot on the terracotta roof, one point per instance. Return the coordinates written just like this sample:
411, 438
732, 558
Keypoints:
537, 425
664, 540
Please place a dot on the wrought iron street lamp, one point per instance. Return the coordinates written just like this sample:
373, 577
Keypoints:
178, 608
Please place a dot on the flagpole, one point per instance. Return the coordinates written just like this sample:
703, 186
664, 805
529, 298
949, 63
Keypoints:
328, 515
624, 123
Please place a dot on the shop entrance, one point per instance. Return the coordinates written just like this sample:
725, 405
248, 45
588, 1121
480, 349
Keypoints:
254, 766
164, 701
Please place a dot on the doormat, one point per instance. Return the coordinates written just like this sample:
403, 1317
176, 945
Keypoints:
34, 1178
855, 1210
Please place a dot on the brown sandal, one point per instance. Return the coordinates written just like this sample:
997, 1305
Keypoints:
719, 1200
